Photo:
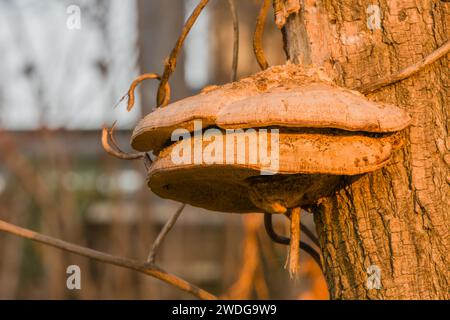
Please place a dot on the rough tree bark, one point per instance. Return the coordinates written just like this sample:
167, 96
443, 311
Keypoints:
396, 218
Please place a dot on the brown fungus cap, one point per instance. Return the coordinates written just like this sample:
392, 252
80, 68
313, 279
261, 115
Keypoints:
287, 96
315, 105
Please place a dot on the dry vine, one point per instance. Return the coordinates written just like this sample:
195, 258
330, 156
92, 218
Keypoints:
286, 241
234, 15
407, 72
171, 62
114, 150
258, 35
137, 81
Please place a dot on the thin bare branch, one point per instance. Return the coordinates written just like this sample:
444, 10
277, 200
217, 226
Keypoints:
145, 268
111, 136
171, 62
164, 232
258, 35
235, 17
137, 81
114, 150
268, 225
407, 72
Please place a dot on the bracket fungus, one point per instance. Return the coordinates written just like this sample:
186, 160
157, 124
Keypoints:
277, 140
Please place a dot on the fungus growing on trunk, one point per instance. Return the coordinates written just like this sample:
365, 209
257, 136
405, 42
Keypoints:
274, 142
277, 140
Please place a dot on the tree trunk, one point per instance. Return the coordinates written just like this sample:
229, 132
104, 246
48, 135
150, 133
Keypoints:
397, 218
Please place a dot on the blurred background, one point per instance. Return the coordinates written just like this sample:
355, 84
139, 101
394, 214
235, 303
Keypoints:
60, 78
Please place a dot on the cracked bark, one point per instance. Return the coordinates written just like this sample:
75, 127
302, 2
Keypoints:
396, 218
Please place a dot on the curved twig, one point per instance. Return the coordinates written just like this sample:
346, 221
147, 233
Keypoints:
258, 35
286, 241
407, 72
137, 81
234, 15
171, 62
164, 232
114, 142
114, 149
145, 268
